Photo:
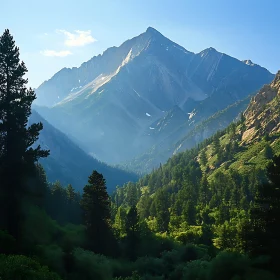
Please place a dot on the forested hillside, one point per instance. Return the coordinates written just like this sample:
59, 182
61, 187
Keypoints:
209, 213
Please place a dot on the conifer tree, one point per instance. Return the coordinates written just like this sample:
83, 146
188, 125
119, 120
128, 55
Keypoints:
216, 144
268, 152
265, 217
96, 209
120, 220
161, 203
204, 193
132, 231
131, 196
17, 154
203, 157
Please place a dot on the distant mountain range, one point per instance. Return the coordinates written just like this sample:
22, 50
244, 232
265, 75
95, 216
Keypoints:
148, 91
71, 165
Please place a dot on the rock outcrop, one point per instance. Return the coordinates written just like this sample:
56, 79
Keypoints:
263, 113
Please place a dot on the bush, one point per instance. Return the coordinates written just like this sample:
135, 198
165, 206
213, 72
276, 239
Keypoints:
233, 266
196, 270
52, 255
88, 265
148, 265
17, 267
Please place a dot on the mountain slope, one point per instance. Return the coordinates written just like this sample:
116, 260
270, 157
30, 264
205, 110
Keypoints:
180, 141
71, 165
110, 102
257, 137
262, 115
227, 153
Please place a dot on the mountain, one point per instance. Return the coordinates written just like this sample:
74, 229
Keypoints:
71, 165
180, 141
232, 162
262, 114
213, 187
110, 104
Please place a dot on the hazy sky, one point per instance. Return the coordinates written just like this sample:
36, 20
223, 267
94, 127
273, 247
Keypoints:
56, 33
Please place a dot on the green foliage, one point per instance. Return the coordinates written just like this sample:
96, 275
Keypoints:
203, 157
96, 210
18, 154
23, 268
90, 266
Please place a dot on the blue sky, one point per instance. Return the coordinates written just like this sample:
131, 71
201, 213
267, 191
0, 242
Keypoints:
56, 34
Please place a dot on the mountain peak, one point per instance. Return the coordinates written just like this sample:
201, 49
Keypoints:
248, 62
152, 30
211, 49
208, 51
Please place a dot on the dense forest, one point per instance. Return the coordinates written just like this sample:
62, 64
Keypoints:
202, 215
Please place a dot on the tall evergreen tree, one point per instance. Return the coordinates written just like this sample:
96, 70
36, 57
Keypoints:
203, 157
268, 152
17, 154
204, 193
132, 231
131, 197
161, 203
216, 144
96, 209
265, 217
120, 220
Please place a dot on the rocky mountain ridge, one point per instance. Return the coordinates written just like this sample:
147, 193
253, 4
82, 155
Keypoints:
110, 103
262, 114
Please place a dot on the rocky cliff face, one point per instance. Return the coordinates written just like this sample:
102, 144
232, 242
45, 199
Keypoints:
262, 114
109, 103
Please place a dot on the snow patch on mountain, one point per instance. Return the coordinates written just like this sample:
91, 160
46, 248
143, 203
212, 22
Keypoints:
125, 61
192, 114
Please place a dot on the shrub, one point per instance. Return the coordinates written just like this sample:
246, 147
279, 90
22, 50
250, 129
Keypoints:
88, 265
19, 267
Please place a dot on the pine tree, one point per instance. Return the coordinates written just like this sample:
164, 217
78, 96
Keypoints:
70, 193
265, 217
17, 154
73, 205
216, 144
144, 205
131, 196
268, 152
204, 193
161, 204
120, 220
203, 157
96, 209
189, 212
132, 231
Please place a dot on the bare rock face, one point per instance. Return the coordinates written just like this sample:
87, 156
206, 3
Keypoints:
262, 115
